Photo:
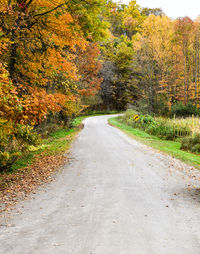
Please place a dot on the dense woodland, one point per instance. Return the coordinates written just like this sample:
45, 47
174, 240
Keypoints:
153, 60
61, 58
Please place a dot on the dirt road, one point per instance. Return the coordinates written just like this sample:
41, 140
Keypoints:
116, 196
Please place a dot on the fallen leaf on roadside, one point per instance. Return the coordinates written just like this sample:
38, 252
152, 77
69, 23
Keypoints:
18, 185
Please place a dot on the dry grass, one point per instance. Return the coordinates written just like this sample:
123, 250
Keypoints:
191, 123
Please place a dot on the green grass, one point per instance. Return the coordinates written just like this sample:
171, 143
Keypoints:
61, 133
58, 142
21, 163
169, 147
78, 120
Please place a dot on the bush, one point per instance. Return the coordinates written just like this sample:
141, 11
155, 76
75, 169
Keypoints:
14, 140
27, 135
162, 105
191, 144
186, 143
161, 130
196, 148
165, 131
128, 115
46, 128
179, 109
146, 120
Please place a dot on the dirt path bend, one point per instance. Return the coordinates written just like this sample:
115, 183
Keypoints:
116, 196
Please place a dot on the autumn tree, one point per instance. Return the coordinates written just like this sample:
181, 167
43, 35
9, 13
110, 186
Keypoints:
196, 60
45, 38
155, 11
42, 71
132, 19
153, 47
183, 35
168, 61
89, 66
122, 83
119, 86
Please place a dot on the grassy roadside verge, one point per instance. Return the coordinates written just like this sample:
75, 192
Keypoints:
170, 147
37, 166
57, 143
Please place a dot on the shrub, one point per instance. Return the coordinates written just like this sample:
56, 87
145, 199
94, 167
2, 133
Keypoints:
14, 140
165, 131
161, 130
191, 144
45, 129
179, 109
162, 105
196, 148
128, 116
146, 120
27, 134
186, 143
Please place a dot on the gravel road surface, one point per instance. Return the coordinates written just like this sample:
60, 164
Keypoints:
115, 196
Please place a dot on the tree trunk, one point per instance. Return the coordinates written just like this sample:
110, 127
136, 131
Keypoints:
185, 73
13, 58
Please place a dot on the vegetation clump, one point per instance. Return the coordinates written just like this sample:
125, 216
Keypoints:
191, 144
164, 128
15, 141
181, 110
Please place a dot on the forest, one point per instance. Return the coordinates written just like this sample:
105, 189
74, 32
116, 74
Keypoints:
60, 59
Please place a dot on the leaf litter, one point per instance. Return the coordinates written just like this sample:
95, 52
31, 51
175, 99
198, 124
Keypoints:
17, 186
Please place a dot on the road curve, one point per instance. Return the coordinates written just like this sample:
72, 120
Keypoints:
116, 196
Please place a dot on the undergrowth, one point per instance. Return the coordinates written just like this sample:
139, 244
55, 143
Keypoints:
58, 142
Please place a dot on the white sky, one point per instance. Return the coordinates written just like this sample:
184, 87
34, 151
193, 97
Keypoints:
173, 8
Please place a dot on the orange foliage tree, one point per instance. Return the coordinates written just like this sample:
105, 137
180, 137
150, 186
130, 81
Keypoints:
43, 40
89, 67
41, 71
